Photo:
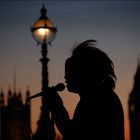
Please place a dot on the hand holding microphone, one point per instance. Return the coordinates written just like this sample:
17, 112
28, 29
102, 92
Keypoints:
58, 87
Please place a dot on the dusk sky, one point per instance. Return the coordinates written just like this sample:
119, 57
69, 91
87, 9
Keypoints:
114, 24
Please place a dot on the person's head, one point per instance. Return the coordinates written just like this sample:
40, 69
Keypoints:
88, 68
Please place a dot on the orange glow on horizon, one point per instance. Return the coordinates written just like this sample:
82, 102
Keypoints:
126, 125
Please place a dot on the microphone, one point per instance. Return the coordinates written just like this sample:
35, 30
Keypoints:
58, 87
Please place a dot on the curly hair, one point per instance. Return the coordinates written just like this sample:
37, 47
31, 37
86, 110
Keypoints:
93, 63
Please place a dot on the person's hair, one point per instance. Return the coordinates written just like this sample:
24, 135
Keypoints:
92, 63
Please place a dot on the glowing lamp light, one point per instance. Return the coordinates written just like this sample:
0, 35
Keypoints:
43, 30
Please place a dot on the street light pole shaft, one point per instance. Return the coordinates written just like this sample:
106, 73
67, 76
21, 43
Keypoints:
44, 60
45, 130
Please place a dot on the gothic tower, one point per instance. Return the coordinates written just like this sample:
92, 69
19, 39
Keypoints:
134, 107
14, 117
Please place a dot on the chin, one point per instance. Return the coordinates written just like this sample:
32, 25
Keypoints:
71, 89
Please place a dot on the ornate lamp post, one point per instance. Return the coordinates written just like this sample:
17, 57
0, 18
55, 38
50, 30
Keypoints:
44, 32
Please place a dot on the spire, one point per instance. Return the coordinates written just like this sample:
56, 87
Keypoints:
27, 92
19, 95
9, 94
27, 95
1, 98
9, 91
14, 79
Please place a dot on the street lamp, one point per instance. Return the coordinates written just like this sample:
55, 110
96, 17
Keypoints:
44, 33
43, 30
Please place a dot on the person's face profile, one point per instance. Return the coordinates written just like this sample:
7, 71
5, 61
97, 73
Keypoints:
71, 76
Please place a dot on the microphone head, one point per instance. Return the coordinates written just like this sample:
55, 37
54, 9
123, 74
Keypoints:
60, 87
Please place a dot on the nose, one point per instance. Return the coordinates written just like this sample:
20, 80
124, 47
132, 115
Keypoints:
66, 78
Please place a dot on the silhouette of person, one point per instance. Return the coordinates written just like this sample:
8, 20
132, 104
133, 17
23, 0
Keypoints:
89, 72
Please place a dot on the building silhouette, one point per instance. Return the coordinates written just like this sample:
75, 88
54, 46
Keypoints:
14, 116
134, 107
